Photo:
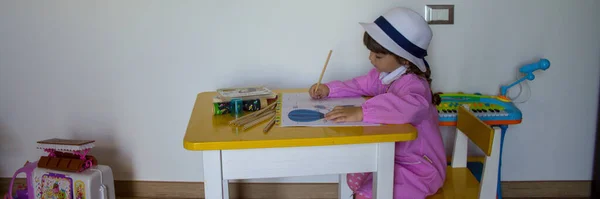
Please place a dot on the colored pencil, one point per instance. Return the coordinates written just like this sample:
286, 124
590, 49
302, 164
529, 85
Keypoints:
259, 120
249, 120
323, 72
251, 115
269, 125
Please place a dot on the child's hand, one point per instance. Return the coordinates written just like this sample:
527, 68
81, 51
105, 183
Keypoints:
321, 93
345, 114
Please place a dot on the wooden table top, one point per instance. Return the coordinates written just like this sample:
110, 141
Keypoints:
206, 131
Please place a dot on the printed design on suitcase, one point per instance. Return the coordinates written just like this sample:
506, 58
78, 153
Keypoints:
56, 186
79, 190
38, 187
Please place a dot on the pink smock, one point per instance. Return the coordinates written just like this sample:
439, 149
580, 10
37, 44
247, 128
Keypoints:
420, 164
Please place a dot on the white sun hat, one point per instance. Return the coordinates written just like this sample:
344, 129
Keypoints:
403, 32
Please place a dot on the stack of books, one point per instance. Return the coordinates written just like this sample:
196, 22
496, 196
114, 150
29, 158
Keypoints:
246, 93
253, 98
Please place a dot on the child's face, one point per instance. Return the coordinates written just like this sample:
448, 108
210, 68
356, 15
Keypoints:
384, 62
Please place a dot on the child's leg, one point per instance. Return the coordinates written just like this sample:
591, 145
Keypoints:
360, 197
356, 180
361, 184
406, 187
415, 181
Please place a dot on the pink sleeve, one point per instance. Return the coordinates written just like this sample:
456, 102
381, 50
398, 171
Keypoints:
364, 85
407, 101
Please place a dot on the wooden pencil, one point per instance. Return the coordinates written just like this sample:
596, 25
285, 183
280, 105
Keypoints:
252, 114
254, 117
323, 72
269, 125
248, 120
245, 120
259, 120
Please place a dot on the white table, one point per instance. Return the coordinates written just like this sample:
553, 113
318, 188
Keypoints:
232, 154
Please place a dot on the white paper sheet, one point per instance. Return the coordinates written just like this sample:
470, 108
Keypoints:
296, 101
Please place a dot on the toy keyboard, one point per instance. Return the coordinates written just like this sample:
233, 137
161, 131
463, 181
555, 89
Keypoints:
492, 110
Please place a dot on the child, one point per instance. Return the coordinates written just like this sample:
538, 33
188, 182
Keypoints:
400, 86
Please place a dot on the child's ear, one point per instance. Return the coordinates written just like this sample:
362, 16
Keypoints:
402, 61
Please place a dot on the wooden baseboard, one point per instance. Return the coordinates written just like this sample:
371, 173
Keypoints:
551, 189
149, 189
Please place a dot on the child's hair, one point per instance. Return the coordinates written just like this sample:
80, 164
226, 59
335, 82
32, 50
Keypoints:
375, 47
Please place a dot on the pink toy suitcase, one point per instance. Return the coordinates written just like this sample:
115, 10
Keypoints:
93, 183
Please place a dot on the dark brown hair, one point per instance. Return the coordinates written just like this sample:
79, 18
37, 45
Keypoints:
375, 47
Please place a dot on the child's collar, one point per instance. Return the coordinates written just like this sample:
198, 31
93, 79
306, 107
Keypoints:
388, 78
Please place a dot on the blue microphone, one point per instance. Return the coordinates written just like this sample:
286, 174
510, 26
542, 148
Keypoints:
528, 70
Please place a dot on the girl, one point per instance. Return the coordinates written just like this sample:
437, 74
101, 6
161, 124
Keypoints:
400, 84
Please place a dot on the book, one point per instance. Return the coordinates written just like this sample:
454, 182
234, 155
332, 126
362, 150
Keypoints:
244, 93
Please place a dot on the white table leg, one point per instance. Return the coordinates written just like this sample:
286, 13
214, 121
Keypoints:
213, 175
343, 188
383, 178
226, 189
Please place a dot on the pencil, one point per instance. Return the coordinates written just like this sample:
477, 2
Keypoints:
323, 72
255, 115
259, 120
269, 125
243, 122
252, 115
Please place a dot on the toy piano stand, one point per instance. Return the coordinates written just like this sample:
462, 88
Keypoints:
66, 155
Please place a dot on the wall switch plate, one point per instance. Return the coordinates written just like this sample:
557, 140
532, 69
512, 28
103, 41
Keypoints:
439, 14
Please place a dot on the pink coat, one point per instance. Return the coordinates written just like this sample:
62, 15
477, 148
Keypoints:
420, 165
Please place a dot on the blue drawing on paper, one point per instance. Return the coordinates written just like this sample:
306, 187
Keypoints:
305, 115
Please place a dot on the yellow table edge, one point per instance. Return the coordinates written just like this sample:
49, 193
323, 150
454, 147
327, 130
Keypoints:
298, 142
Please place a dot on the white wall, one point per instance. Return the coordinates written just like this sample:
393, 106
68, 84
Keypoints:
126, 73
